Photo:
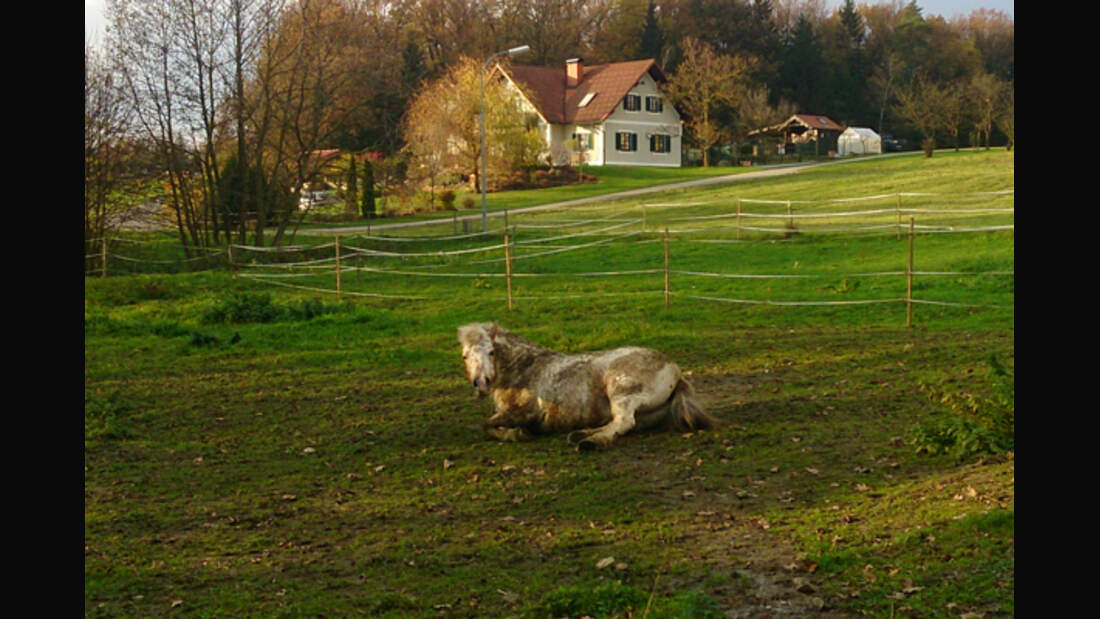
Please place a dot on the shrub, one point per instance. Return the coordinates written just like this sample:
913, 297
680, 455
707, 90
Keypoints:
246, 307
928, 145
468, 203
242, 307
974, 424
447, 199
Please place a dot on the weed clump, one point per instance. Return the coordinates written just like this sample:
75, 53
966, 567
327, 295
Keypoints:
614, 599
253, 307
974, 424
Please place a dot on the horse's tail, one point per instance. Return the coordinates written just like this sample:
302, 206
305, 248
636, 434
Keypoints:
685, 414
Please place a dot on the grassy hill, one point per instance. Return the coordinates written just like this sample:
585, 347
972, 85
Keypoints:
255, 444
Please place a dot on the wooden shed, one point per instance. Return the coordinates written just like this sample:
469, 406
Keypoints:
805, 128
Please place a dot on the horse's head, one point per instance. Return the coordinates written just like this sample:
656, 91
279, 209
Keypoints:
479, 355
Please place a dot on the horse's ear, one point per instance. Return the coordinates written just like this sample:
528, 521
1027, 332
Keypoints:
494, 330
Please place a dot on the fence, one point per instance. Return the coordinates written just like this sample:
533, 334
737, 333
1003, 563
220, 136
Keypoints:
531, 248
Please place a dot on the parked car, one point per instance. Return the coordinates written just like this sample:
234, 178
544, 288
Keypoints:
892, 144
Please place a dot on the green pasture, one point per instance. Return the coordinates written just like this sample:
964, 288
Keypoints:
258, 445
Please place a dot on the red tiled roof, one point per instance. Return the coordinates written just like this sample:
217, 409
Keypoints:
545, 88
818, 122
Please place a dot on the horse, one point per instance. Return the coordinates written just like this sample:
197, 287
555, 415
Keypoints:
596, 397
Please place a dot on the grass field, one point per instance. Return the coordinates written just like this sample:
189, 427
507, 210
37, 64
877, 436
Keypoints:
256, 446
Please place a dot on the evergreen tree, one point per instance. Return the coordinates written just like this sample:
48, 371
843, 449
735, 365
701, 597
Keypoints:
801, 76
764, 42
367, 209
351, 197
652, 40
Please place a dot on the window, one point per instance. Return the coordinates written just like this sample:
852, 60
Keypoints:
587, 98
626, 141
660, 143
632, 103
583, 140
653, 104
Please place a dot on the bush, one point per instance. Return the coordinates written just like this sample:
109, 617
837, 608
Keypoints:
248, 307
447, 199
928, 145
242, 307
974, 424
468, 203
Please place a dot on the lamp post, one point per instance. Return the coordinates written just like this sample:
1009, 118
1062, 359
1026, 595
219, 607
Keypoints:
481, 177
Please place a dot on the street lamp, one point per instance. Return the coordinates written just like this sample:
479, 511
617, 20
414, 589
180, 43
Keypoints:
481, 177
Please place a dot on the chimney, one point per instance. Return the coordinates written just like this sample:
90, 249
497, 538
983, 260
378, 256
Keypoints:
574, 72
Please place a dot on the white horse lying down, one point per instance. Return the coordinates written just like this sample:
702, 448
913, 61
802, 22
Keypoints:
598, 396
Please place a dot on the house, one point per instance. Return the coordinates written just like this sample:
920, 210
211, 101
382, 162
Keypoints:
804, 128
858, 141
609, 114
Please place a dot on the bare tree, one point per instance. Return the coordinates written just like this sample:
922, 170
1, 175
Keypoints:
109, 189
1006, 118
754, 112
985, 93
921, 104
705, 82
145, 42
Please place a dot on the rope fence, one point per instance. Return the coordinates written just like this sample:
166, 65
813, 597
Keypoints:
394, 261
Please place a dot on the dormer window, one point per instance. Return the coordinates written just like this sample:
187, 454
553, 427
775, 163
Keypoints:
587, 99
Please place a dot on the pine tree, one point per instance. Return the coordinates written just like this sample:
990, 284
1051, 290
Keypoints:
351, 197
652, 40
368, 190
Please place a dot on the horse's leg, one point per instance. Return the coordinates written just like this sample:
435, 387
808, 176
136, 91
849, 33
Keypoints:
622, 421
630, 395
509, 425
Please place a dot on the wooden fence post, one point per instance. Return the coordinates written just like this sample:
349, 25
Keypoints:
337, 244
909, 280
103, 255
666, 270
508, 268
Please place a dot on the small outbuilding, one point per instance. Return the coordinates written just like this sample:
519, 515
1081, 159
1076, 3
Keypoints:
803, 129
858, 141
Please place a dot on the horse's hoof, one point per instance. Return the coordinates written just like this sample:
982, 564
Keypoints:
588, 445
577, 436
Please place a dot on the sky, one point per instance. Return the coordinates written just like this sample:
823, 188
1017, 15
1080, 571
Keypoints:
93, 11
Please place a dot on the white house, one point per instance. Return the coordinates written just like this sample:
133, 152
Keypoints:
858, 141
610, 114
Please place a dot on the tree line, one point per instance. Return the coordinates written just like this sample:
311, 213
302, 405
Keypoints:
222, 106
